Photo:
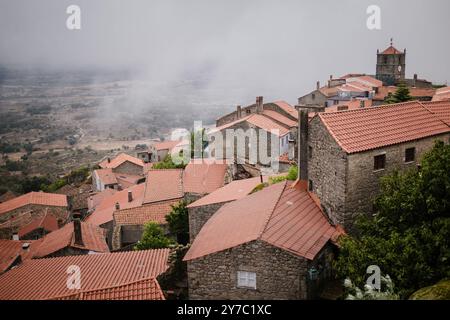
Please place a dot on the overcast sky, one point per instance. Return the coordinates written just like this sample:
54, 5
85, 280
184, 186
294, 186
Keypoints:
278, 49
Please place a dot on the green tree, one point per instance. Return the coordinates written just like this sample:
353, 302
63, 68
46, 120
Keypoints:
400, 95
153, 238
409, 236
167, 163
178, 221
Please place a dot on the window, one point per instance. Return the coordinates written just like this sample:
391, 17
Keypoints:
342, 108
410, 154
313, 96
379, 162
246, 279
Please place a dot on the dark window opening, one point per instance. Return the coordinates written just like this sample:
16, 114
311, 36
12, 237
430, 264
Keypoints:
410, 154
342, 108
310, 149
310, 185
313, 96
379, 162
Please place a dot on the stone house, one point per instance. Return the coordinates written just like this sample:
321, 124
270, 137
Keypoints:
442, 94
255, 130
349, 151
273, 244
201, 211
108, 179
38, 203
38, 228
162, 149
125, 164
129, 223
15, 252
75, 238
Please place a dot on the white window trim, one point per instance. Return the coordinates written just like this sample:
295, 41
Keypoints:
246, 279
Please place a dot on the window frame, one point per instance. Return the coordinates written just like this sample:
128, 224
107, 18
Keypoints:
406, 160
247, 279
375, 168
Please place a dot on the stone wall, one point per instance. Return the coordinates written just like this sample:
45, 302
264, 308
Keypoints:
327, 169
363, 182
315, 98
129, 168
198, 216
279, 274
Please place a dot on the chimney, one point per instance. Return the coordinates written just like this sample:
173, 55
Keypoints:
331, 77
109, 160
329, 83
77, 231
317, 85
303, 143
415, 80
259, 104
238, 112
261, 177
15, 236
117, 206
26, 247
130, 196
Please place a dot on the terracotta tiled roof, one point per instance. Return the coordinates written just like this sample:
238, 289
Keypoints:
354, 87
365, 80
287, 108
284, 158
8, 195
147, 289
267, 124
440, 108
283, 216
204, 176
155, 212
234, 190
48, 222
127, 180
96, 198
37, 198
391, 50
442, 94
104, 211
121, 158
106, 176
280, 118
47, 278
163, 184
11, 250
375, 127
329, 91
166, 145
93, 240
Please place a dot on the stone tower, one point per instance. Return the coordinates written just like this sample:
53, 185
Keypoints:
391, 65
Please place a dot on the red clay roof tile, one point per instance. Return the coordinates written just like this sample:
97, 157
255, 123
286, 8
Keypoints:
163, 184
93, 240
48, 222
234, 190
375, 127
119, 159
39, 279
440, 108
147, 289
281, 215
11, 250
204, 176
155, 212
37, 198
